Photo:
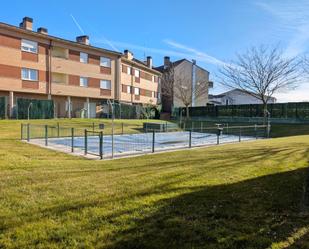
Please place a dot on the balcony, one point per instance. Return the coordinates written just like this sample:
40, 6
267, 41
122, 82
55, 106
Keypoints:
59, 78
59, 52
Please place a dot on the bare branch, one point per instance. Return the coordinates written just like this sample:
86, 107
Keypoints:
261, 72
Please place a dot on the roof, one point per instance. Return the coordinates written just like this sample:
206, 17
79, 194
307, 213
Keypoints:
178, 62
141, 64
47, 36
212, 96
234, 90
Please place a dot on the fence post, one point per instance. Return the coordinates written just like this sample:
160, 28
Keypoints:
268, 130
46, 135
93, 126
122, 128
190, 138
58, 129
72, 140
21, 131
28, 132
239, 134
218, 136
101, 144
166, 127
201, 126
85, 142
255, 130
153, 141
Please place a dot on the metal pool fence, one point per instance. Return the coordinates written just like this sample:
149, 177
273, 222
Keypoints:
100, 143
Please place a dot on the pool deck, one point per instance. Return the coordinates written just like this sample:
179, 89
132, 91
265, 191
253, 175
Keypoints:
129, 145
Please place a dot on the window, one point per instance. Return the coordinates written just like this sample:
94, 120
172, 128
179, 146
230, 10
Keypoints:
105, 62
129, 89
83, 57
29, 74
83, 81
128, 70
155, 78
136, 73
105, 84
29, 46
136, 91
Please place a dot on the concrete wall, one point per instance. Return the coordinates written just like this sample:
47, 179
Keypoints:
183, 75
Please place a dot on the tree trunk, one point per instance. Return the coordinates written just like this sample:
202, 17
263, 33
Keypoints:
265, 113
187, 111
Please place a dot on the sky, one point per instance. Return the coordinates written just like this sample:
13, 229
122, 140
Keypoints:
211, 32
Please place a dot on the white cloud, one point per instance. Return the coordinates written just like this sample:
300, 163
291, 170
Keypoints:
181, 52
195, 53
108, 42
299, 94
77, 24
293, 20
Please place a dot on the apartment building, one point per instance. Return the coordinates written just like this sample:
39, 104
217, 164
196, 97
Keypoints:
189, 74
139, 81
75, 75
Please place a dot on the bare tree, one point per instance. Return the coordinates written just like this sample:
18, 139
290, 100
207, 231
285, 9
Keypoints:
179, 86
261, 72
305, 64
186, 92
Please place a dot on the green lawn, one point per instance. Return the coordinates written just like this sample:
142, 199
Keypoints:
245, 195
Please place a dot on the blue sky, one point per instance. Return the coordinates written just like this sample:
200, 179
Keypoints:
211, 32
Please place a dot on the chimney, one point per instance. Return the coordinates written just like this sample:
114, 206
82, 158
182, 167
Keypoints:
42, 30
149, 61
26, 23
167, 61
83, 39
128, 54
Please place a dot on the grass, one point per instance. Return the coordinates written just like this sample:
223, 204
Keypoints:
245, 195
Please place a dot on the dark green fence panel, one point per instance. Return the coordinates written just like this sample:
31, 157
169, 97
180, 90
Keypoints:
127, 111
296, 111
38, 109
2, 107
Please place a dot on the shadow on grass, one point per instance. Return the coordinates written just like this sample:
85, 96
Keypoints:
250, 214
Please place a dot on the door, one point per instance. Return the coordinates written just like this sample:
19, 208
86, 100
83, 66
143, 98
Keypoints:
92, 109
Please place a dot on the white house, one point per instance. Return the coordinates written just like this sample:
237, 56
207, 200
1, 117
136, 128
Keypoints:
236, 97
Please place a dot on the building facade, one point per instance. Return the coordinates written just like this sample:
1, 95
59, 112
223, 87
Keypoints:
188, 73
236, 97
78, 77
139, 81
